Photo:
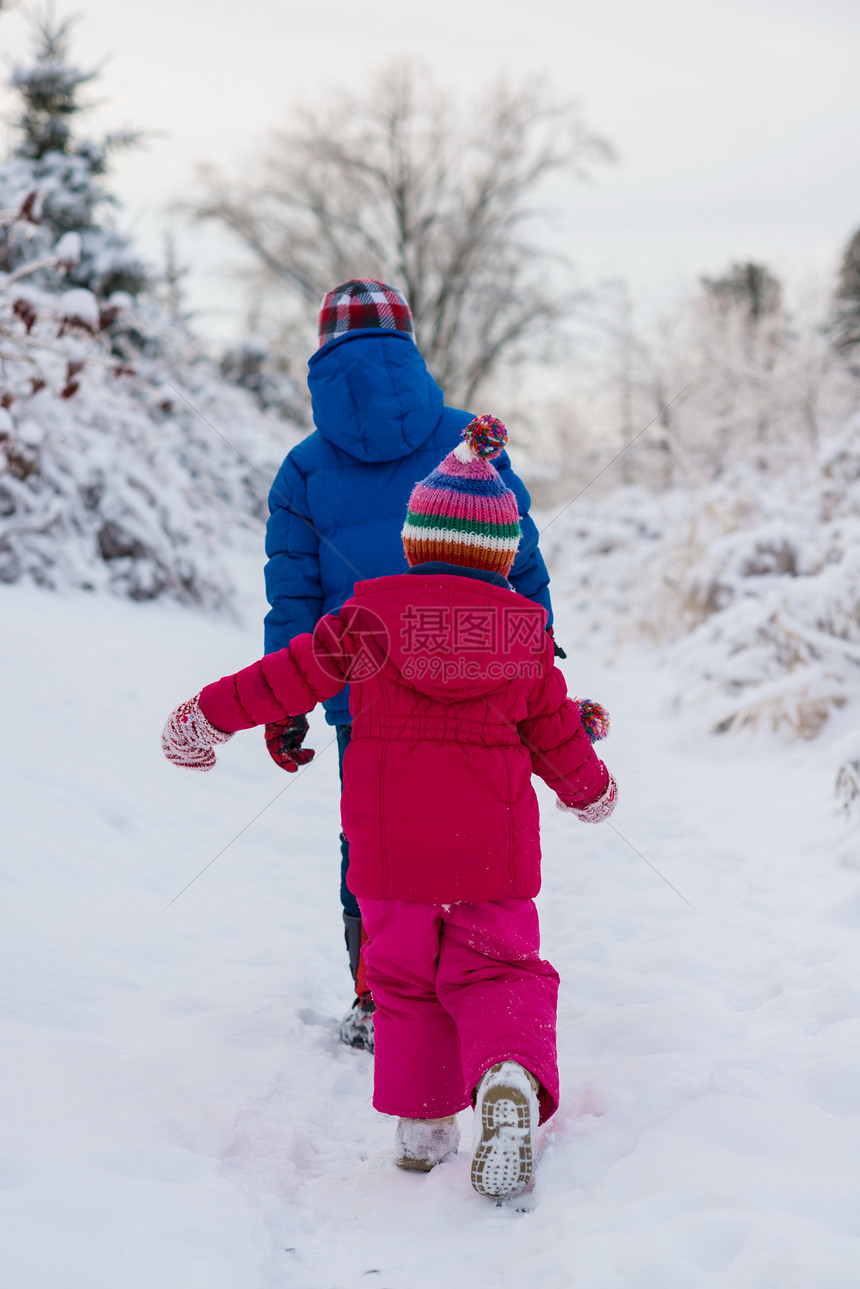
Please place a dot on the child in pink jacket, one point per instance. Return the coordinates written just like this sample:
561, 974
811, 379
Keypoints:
455, 702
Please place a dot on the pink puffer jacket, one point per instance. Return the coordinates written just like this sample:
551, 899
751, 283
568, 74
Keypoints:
455, 702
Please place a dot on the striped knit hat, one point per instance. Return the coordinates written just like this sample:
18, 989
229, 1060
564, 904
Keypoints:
363, 302
462, 513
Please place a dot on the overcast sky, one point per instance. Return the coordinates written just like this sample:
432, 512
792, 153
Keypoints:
736, 123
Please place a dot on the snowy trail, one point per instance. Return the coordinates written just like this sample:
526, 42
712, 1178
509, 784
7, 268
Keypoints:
178, 1111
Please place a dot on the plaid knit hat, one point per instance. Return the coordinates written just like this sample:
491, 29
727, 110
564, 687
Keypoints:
363, 302
462, 513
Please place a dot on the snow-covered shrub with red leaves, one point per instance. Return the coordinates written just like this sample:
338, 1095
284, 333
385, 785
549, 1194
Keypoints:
126, 460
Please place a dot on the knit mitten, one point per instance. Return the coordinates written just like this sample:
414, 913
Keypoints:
598, 810
188, 738
284, 742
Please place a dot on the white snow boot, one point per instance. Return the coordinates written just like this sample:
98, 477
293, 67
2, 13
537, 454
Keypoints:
506, 1119
356, 1028
421, 1144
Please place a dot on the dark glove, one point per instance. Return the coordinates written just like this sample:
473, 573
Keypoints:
559, 652
284, 742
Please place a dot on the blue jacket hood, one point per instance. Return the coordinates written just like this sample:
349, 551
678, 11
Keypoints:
372, 395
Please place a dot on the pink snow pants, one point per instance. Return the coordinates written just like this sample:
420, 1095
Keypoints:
457, 988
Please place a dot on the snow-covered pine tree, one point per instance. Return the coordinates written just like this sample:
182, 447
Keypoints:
57, 177
126, 462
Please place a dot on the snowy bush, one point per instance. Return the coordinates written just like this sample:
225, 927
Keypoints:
251, 366
848, 786
779, 604
118, 477
126, 460
751, 587
737, 552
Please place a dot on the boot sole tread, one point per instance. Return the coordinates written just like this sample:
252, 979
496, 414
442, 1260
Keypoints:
502, 1161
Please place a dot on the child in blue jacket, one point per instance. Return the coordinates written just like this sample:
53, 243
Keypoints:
336, 512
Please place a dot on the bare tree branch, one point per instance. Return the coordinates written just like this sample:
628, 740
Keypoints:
398, 185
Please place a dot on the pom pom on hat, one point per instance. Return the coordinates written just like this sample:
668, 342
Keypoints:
486, 435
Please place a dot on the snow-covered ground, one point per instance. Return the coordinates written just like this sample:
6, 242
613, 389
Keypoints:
178, 1112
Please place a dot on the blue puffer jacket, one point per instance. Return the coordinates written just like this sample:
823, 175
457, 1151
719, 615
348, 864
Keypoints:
338, 502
